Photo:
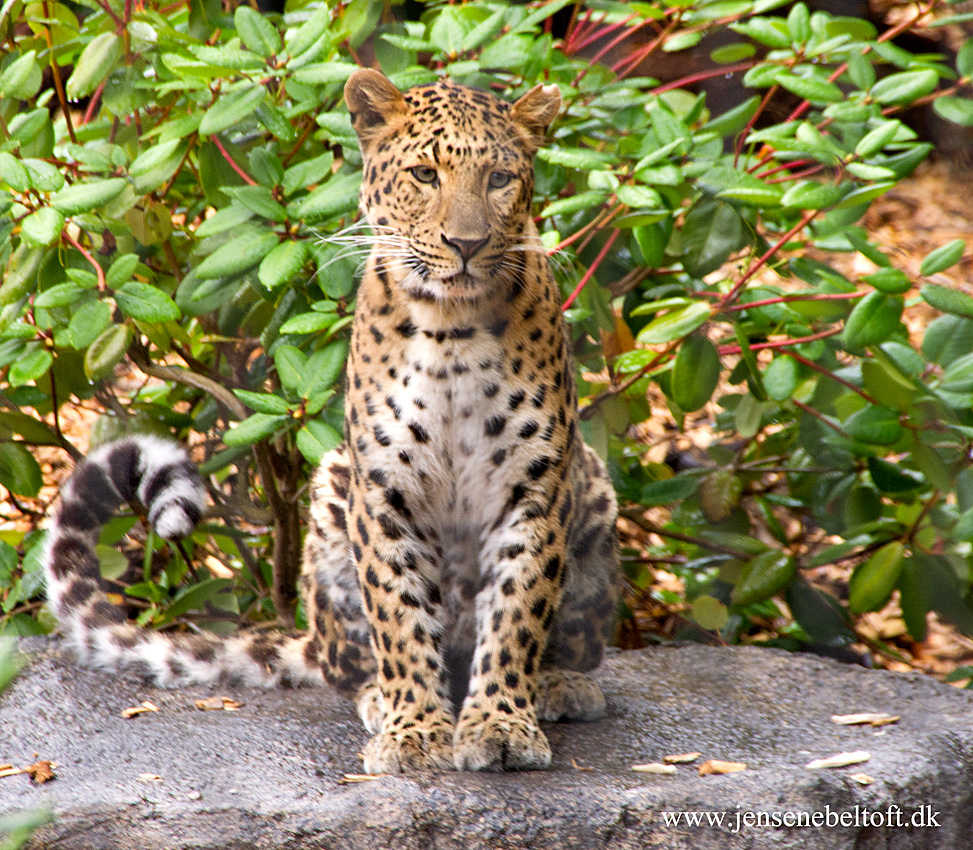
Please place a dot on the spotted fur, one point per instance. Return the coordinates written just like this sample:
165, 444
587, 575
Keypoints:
460, 571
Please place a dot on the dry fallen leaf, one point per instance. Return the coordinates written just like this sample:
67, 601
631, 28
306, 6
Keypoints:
136, 710
149, 777
41, 771
218, 704
577, 766
862, 778
681, 758
839, 760
657, 769
348, 778
714, 766
866, 717
10, 770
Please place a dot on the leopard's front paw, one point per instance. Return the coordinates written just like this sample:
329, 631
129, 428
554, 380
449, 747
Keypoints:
568, 695
500, 742
404, 750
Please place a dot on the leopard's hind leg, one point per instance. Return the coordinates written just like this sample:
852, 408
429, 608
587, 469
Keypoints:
586, 619
339, 632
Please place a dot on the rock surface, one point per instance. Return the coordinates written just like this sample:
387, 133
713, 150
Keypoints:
269, 775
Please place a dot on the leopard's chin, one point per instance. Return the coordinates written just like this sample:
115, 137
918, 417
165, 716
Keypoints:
462, 286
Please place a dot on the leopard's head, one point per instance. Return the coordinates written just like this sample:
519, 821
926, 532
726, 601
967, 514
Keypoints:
448, 180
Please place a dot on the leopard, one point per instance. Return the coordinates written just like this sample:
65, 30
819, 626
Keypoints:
460, 572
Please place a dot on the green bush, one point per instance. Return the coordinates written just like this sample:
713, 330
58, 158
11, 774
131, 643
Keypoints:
178, 218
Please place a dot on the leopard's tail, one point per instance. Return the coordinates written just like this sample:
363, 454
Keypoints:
158, 474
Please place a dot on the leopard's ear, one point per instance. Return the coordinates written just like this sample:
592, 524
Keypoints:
373, 103
536, 111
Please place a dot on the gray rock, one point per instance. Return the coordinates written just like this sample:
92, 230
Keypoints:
269, 775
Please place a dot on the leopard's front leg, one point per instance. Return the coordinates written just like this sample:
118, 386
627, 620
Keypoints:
523, 562
399, 577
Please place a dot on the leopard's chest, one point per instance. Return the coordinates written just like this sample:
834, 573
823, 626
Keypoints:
445, 418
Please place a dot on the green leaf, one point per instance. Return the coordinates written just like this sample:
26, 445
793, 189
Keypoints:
639, 197
732, 53
872, 583
448, 31
19, 472
152, 168
236, 256
712, 231
226, 219
904, 87
771, 32
60, 295
260, 426
316, 439
146, 303
574, 203
818, 614
336, 197
107, 350
122, 269
21, 274
892, 478
810, 195
88, 323
947, 300
876, 140
310, 31
84, 197
810, 88
308, 323
22, 78
764, 576
281, 264
890, 281
30, 367
581, 159
323, 73
291, 366
669, 490
873, 320
675, 324
256, 32
695, 372
944, 257
780, 377
97, 61
44, 177
324, 368
260, 200
303, 174
230, 109
263, 402
42, 227
198, 595
709, 613
876, 425
913, 599
32, 430
13, 173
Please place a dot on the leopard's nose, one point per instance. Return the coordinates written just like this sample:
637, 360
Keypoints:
466, 248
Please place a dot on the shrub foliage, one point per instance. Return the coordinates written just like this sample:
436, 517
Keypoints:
175, 179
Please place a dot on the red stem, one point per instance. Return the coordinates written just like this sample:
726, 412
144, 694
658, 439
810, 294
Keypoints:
782, 343
90, 111
704, 75
246, 177
594, 266
783, 299
98, 270
773, 249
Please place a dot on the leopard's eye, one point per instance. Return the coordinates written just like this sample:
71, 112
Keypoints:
424, 173
499, 179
